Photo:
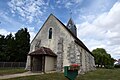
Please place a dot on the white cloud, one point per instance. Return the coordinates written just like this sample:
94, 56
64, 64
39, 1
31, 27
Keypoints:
32, 33
28, 9
14, 26
88, 17
103, 31
4, 32
67, 5
58, 1
30, 29
9, 23
78, 1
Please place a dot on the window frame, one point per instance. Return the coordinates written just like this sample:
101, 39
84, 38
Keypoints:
50, 33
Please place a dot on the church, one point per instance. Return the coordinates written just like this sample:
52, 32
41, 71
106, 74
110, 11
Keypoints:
56, 45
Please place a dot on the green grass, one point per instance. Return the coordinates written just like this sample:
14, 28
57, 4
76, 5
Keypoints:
5, 71
51, 76
99, 74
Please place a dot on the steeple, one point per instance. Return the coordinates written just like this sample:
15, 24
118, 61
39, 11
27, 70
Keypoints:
72, 26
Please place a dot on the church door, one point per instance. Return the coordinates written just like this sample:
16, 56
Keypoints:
37, 63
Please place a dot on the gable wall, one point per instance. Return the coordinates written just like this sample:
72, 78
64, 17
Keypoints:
59, 32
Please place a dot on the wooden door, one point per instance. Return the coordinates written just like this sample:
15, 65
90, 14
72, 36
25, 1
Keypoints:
37, 63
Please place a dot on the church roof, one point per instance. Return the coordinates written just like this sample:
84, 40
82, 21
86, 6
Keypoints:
43, 51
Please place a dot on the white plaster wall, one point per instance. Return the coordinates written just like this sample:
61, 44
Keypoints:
49, 63
28, 63
83, 60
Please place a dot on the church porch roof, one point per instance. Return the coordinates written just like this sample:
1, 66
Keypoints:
43, 51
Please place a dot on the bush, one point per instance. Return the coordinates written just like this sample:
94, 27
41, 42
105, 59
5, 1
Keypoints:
117, 66
109, 67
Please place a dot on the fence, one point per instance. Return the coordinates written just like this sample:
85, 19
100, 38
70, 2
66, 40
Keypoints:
12, 64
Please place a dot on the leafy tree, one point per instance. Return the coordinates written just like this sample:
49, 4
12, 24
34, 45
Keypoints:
112, 61
102, 58
22, 38
15, 48
2, 47
10, 48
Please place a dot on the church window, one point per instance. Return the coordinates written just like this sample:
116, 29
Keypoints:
50, 33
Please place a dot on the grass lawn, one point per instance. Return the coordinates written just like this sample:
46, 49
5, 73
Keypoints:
4, 71
99, 74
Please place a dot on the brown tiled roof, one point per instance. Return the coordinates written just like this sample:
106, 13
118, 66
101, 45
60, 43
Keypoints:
43, 51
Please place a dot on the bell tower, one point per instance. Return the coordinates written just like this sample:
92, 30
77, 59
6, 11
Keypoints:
72, 26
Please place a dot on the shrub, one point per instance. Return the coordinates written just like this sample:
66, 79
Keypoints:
109, 67
117, 66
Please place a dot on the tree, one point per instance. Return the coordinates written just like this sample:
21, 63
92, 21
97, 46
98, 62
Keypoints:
10, 50
2, 47
102, 58
22, 38
15, 48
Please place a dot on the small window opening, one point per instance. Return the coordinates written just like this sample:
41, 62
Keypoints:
69, 25
50, 33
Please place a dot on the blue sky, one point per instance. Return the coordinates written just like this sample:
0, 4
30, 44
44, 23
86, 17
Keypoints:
97, 21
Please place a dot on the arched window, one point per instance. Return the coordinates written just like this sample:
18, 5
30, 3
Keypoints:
50, 33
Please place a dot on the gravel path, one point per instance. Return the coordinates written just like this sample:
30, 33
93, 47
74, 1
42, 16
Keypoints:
19, 75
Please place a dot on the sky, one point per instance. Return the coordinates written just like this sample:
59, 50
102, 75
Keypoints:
97, 21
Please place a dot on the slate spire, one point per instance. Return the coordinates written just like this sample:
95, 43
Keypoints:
72, 26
